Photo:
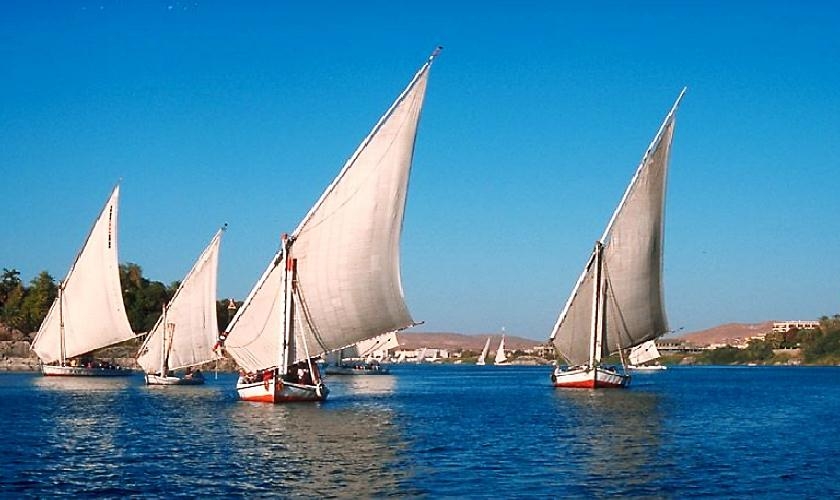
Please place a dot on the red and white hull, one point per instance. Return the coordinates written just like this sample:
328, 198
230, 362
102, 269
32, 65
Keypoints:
83, 371
276, 390
587, 377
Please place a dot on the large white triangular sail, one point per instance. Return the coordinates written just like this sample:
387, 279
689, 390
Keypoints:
632, 266
89, 306
192, 314
345, 253
644, 352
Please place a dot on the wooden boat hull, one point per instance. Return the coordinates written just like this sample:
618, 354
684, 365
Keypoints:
587, 377
83, 371
153, 379
278, 391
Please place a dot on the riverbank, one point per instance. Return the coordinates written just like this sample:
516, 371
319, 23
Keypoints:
17, 356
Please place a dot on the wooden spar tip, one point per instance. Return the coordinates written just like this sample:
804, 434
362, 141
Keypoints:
679, 99
224, 226
435, 52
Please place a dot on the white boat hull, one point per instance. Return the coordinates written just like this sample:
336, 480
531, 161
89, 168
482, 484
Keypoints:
277, 391
357, 370
647, 368
83, 371
154, 379
586, 377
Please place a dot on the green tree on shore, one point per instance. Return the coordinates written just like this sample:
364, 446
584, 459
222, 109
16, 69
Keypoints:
12, 293
24, 308
39, 297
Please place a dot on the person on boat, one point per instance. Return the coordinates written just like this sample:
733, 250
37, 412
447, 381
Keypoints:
303, 375
247, 377
291, 374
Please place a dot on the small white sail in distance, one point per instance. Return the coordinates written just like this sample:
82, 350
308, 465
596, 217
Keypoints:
89, 312
192, 311
644, 352
484, 352
500, 353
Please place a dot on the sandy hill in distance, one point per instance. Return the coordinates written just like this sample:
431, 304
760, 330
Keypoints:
728, 332
460, 341
721, 334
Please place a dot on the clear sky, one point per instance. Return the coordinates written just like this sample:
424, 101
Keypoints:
537, 113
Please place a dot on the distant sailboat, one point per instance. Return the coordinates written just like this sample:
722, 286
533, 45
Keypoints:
643, 353
359, 359
187, 330
335, 281
500, 353
484, 352
88, 313
422, 356
617, 302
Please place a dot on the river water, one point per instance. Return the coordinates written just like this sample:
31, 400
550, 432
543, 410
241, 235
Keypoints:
430, 431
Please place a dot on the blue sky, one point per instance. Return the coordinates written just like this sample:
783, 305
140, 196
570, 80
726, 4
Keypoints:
537, 113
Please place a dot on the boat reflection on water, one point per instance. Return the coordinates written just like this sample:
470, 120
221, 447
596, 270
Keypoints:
616, 437
337, 448
362, 387
79, 432
83, 385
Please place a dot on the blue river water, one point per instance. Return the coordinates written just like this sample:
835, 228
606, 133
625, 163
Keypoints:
430, 431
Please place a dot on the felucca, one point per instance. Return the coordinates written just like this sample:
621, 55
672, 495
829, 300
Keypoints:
187, 329
335, 281
500, 358
644, 353
484, 352
88, 313
362, 358
617, 303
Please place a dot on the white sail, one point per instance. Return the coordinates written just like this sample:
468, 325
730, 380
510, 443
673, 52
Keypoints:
254, 339
484, 352
500, 353
375, 347
89, 307
192, 314
633, 308
344, 254
644, 352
